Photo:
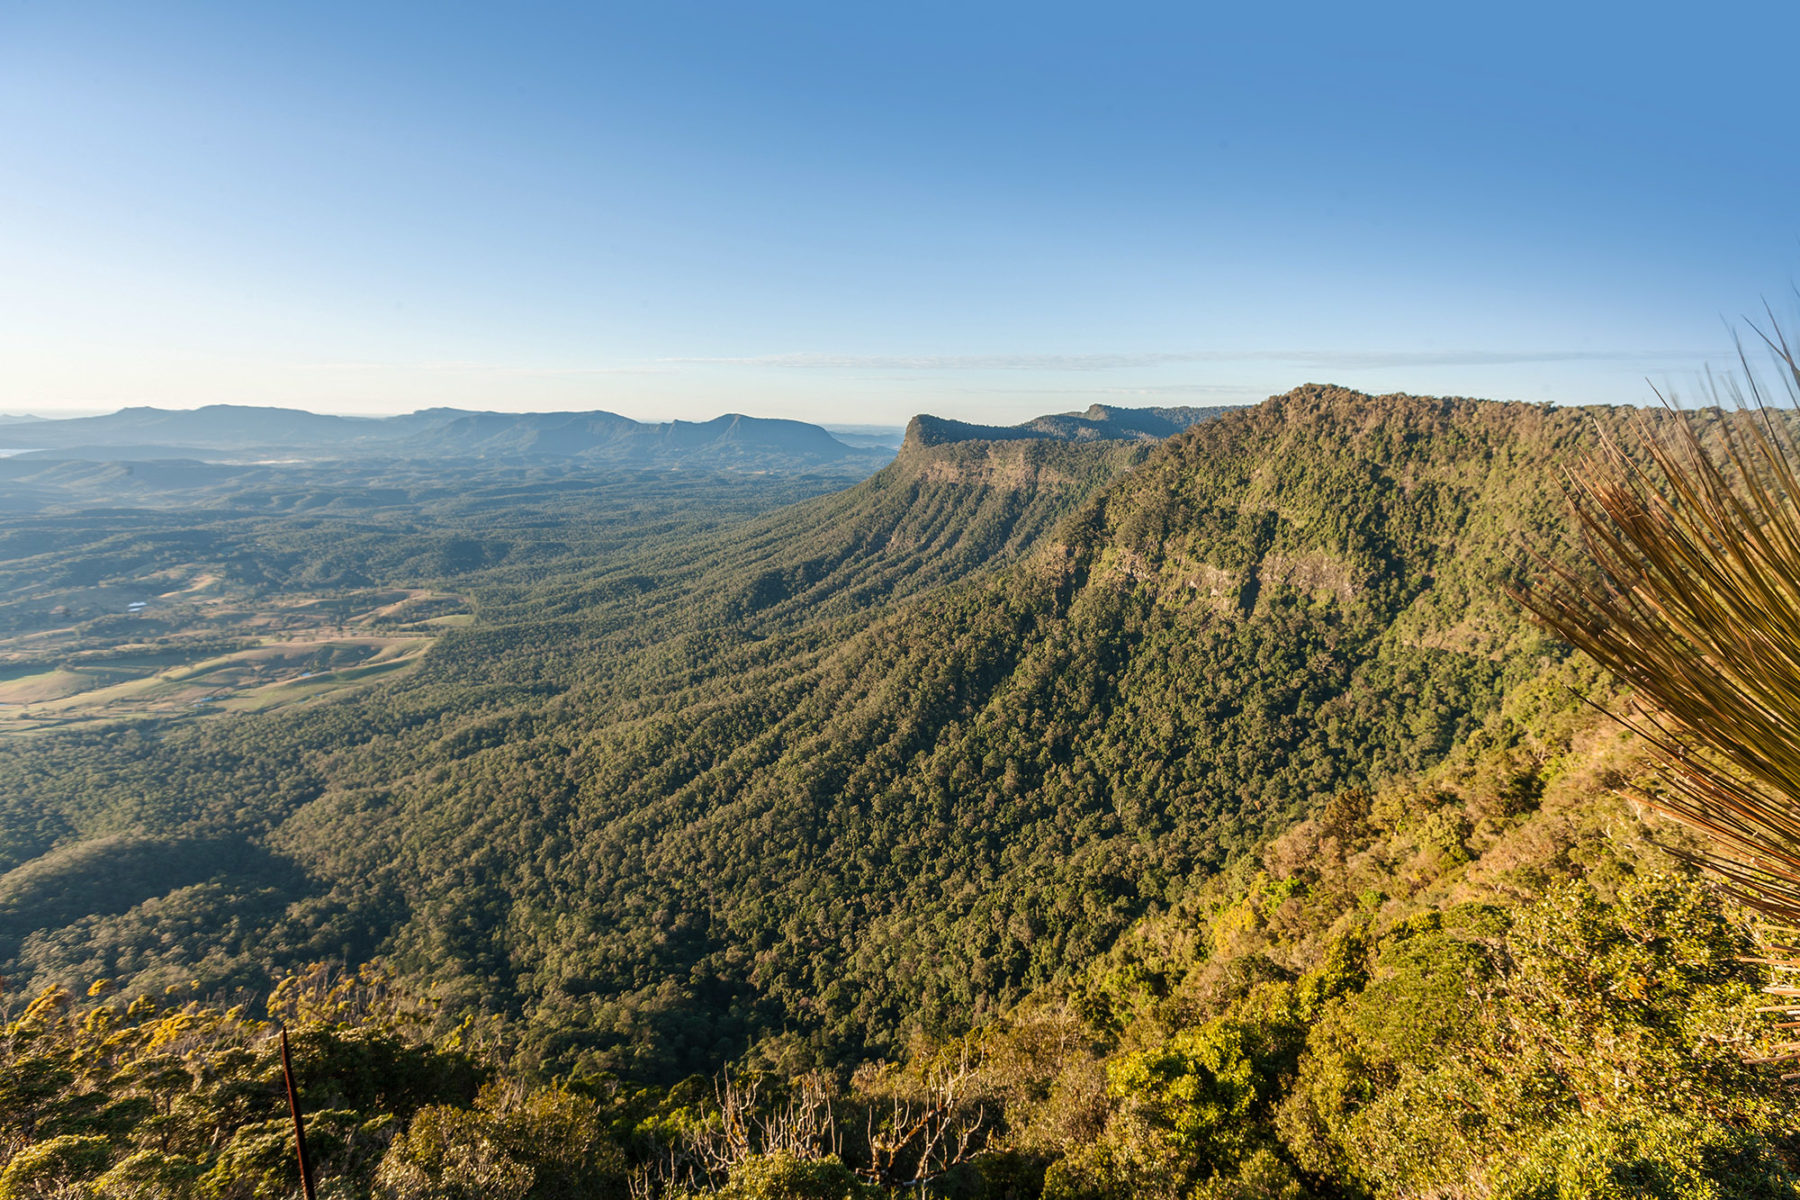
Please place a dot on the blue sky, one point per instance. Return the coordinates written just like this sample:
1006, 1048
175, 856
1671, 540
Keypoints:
851, 212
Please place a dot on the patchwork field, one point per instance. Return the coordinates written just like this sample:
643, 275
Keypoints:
182, 642
265, 674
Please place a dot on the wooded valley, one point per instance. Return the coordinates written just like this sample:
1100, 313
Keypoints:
1060, 815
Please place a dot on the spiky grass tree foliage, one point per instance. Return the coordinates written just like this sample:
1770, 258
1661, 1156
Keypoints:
1694, 600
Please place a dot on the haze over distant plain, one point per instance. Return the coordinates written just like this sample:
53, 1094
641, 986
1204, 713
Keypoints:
842, 214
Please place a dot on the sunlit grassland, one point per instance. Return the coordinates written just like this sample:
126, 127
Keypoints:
264, 675
184, 643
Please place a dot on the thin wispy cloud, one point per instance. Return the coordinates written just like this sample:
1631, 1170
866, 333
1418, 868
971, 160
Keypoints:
1354, 359
1173, 389
945, 362
482, 368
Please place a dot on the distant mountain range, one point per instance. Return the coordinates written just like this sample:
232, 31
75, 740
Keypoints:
240, 432
731, 442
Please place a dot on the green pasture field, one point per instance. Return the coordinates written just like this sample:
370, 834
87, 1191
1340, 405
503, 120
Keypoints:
266, 674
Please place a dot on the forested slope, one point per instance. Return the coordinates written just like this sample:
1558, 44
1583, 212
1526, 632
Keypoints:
1484, 980
933, 516
843, 770
147, 824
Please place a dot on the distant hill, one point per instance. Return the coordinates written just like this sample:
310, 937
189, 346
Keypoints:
733, 442
1100, 423
730, 442
215, 427
608, 436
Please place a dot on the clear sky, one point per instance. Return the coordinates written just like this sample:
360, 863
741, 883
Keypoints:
851, 212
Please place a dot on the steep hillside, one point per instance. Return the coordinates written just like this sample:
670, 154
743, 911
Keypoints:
989, 784
667, 809
933, 516
1483, 979
612, 585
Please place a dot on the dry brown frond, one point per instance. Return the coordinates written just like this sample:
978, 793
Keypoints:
1695, 602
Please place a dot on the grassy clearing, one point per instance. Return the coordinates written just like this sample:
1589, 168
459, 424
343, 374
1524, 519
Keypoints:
255, 679
43, 687
185, 641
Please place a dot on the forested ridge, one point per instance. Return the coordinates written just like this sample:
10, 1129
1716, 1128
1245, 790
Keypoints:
1176, 819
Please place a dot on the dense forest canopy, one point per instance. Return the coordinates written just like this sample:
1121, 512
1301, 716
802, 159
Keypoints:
1169, 817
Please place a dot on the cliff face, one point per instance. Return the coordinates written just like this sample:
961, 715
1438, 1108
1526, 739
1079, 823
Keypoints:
1100, 423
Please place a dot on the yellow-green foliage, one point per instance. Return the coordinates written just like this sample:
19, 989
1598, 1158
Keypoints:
512, 1143
783, 1177
1665, 1155
55, 1167
178, 1099
1540, 1050
1561, 995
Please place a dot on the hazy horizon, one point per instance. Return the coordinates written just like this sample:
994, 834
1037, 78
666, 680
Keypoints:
843, 215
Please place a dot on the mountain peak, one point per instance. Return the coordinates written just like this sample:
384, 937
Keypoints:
1100, 423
